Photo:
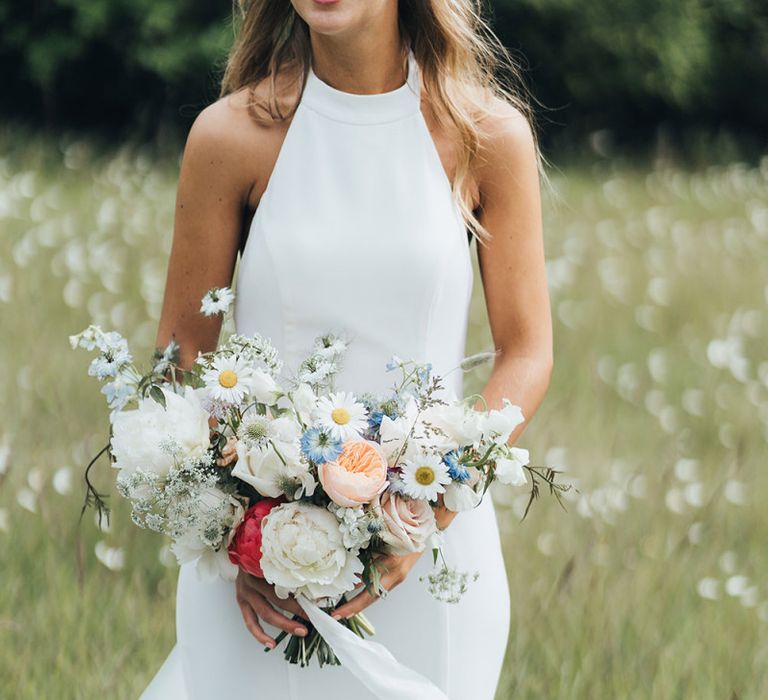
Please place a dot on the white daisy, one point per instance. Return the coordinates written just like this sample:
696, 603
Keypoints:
217, 301
425, 477
228, 379
341, 415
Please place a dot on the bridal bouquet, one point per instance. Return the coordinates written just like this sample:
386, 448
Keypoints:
324, 482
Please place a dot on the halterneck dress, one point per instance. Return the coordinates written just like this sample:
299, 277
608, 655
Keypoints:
357, 231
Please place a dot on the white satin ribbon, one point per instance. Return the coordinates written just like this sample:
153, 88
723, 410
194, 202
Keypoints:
370, 662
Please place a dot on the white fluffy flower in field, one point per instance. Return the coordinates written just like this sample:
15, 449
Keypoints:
62, 480
341, 414
217, 301
425, 477
509, 469
229, 379
141, 437
112, 557
303, 551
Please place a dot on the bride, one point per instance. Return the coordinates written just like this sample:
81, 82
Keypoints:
357, 149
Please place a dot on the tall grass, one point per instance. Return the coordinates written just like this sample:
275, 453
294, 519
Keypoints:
652, 585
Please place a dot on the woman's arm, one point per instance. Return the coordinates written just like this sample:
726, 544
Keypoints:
210, 207
515, 285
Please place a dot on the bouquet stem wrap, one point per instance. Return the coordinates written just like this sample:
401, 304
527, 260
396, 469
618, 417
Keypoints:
370, 662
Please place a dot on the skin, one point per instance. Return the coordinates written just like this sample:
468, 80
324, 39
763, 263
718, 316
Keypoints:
226, 164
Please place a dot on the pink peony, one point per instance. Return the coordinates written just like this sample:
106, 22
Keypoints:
408, 522
245, 548
357, 475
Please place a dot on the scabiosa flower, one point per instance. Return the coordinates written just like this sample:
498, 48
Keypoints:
254, 430
217, 301
319, 446
456, 469
228, 379
341, 414
425, 477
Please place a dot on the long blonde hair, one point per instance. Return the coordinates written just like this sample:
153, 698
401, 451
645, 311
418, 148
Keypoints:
459, 56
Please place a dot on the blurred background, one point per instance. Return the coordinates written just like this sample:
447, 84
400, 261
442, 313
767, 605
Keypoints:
654, 118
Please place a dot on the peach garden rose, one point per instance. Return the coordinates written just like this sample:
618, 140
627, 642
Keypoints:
357, 475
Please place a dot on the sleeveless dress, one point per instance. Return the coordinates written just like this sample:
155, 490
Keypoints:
357, 230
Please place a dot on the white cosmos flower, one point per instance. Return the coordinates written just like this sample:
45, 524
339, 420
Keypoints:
303, 551
141, 436
229, 379
509, 469
341, 415
217, 301
425, 477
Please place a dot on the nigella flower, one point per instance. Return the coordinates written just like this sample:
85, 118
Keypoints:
456, 469
320, 446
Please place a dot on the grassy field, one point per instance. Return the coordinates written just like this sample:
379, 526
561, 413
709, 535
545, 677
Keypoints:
652, 585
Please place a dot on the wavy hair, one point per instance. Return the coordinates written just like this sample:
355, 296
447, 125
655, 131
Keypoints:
462, 62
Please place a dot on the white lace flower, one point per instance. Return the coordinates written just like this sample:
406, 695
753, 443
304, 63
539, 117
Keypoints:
341, 414
425, 477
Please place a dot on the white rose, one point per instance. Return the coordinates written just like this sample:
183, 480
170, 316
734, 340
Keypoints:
260, 467
141, 437
302, 551
460, 497
498, 424
263, 387
509, 470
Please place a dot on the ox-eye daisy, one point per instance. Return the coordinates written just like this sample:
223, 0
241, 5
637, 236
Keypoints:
341, 414
425, 477
228, 379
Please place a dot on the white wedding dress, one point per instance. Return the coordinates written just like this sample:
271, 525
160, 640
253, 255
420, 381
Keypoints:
356, 231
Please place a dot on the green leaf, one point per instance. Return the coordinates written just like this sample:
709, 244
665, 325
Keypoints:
157, 394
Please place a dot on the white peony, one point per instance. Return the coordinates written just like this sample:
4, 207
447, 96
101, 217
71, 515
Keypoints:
153, 438
460, 497
498, 424
509, 470
303, 551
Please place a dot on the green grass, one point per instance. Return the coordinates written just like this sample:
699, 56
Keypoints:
659, 287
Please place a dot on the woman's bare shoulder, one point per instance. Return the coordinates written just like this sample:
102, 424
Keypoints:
236, 131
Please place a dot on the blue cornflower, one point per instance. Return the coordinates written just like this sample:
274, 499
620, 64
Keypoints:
320, 446
457, 471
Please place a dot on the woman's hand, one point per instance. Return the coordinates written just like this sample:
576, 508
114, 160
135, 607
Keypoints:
395, 569
228, 453
257, 600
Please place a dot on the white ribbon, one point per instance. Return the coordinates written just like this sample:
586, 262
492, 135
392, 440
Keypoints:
370, 662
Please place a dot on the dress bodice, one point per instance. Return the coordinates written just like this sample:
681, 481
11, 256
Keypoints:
358, 232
